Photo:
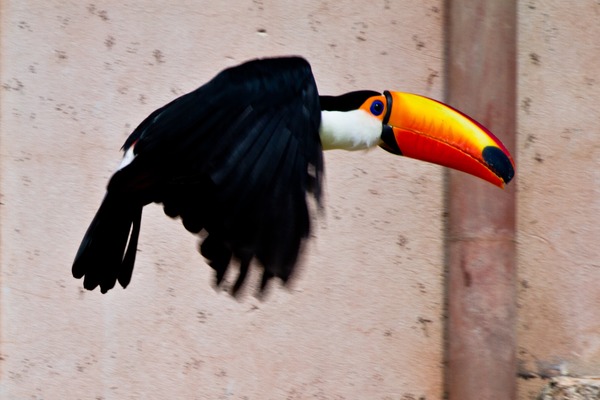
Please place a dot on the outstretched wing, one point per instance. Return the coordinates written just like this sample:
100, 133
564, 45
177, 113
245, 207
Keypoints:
235, 157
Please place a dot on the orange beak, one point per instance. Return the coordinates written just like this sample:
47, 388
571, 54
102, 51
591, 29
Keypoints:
427, 130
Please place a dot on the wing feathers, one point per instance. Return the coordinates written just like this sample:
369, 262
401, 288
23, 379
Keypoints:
236, 158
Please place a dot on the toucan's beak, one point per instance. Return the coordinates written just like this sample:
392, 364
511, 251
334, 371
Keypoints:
425, 129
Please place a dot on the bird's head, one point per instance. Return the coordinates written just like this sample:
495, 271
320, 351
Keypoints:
419, 127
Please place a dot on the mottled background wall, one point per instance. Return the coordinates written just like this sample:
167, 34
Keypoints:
559, 188
364, 319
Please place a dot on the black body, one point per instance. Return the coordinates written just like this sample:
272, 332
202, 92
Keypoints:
236, 157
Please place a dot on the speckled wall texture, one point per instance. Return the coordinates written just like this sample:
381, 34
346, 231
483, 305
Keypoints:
559, 189
364, 319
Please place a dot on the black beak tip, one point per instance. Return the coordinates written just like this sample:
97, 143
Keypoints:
498, 162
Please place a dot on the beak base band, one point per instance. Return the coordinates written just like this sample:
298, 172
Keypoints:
388, 111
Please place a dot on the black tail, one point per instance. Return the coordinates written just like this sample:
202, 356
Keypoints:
107, 251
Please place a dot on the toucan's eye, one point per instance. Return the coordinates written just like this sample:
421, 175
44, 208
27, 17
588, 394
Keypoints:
377, 107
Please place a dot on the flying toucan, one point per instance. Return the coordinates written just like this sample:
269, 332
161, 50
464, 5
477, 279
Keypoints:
237, 159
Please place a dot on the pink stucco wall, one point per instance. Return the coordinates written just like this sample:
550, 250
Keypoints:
559, 189
363, 319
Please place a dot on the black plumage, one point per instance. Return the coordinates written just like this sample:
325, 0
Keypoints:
236, 158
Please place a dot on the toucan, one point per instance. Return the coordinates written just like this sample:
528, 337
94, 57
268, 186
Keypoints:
240, 161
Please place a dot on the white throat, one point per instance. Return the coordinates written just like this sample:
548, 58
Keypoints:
349, 130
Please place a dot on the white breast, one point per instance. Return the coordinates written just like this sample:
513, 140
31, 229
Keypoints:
349, 130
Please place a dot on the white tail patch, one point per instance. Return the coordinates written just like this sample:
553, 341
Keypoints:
127, 158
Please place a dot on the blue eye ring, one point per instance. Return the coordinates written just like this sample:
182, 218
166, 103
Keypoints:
377, 107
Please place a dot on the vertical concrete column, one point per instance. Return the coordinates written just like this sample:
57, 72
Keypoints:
481, 81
